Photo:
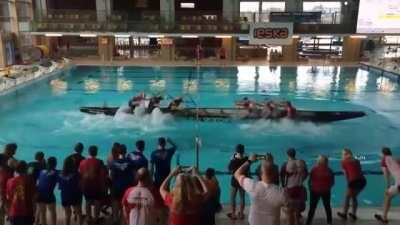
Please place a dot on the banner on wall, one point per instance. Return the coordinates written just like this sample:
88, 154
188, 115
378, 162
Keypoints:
271, 33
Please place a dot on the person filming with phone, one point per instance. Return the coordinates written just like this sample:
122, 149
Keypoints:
267, 199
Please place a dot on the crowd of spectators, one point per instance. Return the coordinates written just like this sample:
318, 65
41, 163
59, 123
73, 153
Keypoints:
130, 190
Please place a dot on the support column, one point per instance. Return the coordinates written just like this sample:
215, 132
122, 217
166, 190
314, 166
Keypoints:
230, 45
104, 9
12, 8
293, 5
231, 10
167, 49
3, 60
351, 49
167, 11
289, 52
106, 48
347, 11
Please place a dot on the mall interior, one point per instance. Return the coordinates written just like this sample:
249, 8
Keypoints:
171, 30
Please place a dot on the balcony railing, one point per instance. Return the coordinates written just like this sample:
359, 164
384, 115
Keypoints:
129, 26
155, 22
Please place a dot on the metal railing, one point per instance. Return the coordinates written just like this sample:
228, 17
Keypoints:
155, 21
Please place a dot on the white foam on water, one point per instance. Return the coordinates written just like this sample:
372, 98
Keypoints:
285, 126
140, 121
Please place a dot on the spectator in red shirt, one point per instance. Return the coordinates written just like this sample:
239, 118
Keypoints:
21, 193
93, 183
5, 175
321, 183
356, 183
183, 202
139, 200
222, 53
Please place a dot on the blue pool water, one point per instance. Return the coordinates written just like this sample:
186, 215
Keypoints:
45, 115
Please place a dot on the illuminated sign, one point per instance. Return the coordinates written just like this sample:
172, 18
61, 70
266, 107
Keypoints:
271, 33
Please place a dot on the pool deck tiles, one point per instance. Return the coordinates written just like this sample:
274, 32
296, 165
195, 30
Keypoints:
365, 217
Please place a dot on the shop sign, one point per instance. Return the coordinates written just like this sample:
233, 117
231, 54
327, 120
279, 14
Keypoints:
271, 33
167, 41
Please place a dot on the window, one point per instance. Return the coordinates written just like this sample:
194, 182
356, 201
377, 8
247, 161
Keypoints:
187, 5
273, 6
249, 7
330, 10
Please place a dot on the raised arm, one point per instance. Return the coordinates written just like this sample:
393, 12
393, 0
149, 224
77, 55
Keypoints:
244, 168
172, 143
164, 186
196, 173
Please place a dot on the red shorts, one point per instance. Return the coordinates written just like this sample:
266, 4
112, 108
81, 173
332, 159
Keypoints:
298, 195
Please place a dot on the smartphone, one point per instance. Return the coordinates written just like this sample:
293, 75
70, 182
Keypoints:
261, 157
186, 169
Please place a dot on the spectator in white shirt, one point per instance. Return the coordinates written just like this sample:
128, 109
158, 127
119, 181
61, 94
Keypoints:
267, 199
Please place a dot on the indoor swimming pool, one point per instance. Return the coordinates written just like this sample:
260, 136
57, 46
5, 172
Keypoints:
45, 115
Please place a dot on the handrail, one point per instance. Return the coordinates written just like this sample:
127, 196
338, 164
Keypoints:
336, 173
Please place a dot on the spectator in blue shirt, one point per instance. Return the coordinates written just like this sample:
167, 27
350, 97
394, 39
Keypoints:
161, 160
137, 157
122, 177
71, 195
47, 181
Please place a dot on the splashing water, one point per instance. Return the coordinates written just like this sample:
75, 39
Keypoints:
285, 126
141, 121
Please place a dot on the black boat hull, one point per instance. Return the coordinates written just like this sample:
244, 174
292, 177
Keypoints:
237, 113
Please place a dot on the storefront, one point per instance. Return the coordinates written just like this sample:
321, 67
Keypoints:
320, 47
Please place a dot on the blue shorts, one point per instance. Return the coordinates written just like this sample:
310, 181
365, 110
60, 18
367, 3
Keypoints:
47, 198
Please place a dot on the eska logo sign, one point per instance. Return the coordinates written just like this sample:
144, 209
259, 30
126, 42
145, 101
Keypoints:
271, 33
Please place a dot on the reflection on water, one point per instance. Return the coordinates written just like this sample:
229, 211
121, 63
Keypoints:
59, 86
157, 85
246, 79
269, 80
92, 85
222, 84
190, 86
124, 84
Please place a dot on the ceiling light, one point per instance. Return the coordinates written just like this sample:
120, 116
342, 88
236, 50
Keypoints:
122, 35
53, 35
223, 36
87, 35
189, 36
358, 36
155, 36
